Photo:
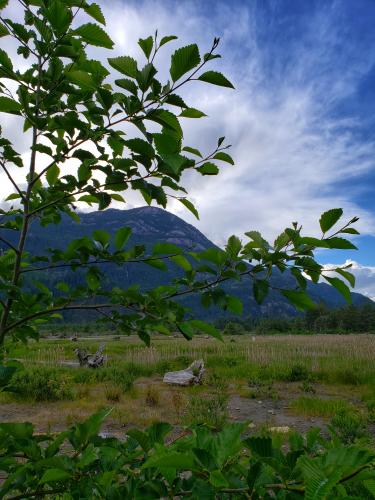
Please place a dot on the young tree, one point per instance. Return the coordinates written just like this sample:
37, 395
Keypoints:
96, 130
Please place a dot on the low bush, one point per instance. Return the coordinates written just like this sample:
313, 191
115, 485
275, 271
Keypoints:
348, 426
298, 373
210, 410
318, 407
197, 464
42, 383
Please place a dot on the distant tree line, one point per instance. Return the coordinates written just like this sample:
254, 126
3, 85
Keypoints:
348, 319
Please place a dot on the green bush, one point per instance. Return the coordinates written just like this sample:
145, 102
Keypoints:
42, 384
298, 373
348, 426
210, 410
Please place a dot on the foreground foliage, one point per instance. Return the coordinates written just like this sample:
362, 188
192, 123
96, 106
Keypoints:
81, 464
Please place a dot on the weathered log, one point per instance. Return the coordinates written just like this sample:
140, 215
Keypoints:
90, 360
192, 375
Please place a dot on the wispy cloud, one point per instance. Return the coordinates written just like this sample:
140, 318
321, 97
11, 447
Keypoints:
365, 277
295, 153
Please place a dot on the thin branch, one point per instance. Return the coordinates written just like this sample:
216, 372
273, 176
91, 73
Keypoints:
10, 245
2, 163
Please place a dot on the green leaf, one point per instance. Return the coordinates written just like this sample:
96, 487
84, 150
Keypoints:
128, 85
328, 219
93, 279
193, 151
95, 12
299, 299
192, 113
5, 61
234, 304
348, 276
8, 105
204, 327
53, 475
101, 236
3, 4
208, 168
146, 45
59, 16
3, 31
188, 204
82, 79
261, 446
183, 60
218, 480
141, 147
215, 78
94, 35
125, 65
167, 39
175, 100
122, 236
182, 262
340, 287
157, 264
166, 249
172, 459
166, 144
340, 243
260, 290
349, 230
224, 157
52, 174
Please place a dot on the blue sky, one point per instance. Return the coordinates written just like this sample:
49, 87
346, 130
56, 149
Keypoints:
301, 120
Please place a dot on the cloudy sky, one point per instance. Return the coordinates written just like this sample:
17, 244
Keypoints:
301, 119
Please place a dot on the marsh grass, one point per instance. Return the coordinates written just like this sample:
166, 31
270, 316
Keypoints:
319, 407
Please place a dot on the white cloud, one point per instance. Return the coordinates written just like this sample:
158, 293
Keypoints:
289, 147
365, 277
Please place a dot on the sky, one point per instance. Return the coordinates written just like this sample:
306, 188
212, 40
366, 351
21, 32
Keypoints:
300, 120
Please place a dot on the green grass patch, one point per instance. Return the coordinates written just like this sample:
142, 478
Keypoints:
319, 407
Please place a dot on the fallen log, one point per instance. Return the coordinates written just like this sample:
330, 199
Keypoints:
190, 376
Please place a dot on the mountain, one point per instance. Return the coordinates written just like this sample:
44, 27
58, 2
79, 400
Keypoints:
151, 225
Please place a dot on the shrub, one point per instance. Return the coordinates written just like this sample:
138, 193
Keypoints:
42, 384
210, 410
152, 396
298, 373
112, 393
348, 426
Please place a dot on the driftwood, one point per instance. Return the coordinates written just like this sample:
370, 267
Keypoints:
90, 360
192, 375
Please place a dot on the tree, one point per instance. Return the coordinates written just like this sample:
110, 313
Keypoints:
96, 130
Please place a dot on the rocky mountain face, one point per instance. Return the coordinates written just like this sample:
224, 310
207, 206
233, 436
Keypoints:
151, 225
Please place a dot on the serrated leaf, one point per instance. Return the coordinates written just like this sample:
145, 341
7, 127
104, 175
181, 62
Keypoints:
218, 480
184, 60
328, 219
94, 35
348, 276
215, 78
125, 65
192, 113
3, 4
8, 105
340, 244
208, 168
128, 85
122, 236
167, 39
95, 12
175, 100
3, 31
82, 79
224, 157
193, 151
140, 147
188, 204
165, 248
5, 61
299, 299
349, 230
146, 45
340, 287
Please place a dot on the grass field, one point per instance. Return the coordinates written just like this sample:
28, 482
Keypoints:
293, 381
